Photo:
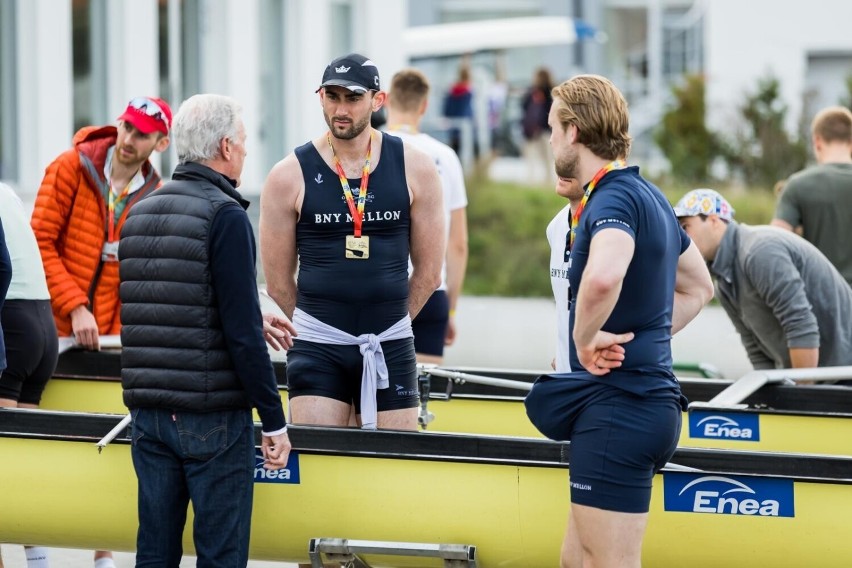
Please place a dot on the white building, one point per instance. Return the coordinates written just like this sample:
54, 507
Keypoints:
65, 64
805, 44
68, 63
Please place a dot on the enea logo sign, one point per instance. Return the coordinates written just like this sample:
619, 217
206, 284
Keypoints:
728, 495
290, 473
735, 426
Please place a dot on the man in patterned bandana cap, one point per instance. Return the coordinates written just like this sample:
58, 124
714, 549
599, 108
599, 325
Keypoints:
782, 294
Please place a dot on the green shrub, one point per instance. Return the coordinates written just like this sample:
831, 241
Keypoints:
683, 136
509, 253
762, 151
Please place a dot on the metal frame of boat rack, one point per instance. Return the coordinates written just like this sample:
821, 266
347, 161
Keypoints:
347, 552
459, 377
733, 396
748, 384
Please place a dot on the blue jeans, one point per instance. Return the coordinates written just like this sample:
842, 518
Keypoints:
206, 458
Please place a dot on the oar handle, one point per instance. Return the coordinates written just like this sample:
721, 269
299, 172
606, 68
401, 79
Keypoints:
105, 341
125, 422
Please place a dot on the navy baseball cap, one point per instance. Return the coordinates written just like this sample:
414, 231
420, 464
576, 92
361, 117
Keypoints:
355, 72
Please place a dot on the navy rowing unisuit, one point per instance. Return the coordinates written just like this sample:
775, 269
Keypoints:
353, 295
358, 296
624, 426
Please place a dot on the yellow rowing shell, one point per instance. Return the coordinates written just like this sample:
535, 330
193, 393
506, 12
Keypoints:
772, 430
506, 497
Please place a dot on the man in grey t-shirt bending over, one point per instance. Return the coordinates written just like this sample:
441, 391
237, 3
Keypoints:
817, 202
789, 304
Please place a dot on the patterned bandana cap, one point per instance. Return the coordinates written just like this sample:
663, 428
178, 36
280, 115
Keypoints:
704, 202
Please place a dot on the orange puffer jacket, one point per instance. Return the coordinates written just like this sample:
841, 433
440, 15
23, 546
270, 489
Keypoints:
69, 221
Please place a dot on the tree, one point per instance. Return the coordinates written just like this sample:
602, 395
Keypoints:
847, 99
683, 135
762, 150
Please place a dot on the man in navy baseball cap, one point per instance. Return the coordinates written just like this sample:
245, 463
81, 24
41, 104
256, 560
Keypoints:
354, 71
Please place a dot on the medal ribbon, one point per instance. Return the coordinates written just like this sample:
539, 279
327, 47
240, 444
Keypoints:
357, 213
575, 215
111, 217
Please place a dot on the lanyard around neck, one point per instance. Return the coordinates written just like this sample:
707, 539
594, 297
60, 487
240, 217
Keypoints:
356, 212
402, 127
112, 201
575, 215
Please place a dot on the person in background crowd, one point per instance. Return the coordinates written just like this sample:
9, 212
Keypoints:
5, 280
817, 202
789, 304
435, 326
558, 233
192, 373
536, 107
28, 329
458, 104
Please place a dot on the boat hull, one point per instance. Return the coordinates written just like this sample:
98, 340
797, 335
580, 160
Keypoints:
507, 497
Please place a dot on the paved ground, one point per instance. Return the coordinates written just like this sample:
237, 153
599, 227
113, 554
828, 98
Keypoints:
520, 334
13, 557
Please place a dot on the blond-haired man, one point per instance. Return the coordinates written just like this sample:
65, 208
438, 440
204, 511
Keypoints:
636, 279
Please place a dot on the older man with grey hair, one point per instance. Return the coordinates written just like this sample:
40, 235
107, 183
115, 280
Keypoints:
789, 304
194, 362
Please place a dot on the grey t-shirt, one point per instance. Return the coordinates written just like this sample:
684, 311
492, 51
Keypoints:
780, 293
819, 199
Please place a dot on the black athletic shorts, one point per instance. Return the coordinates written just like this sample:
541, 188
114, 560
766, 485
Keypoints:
31, 349
334, 371
619, 440
430, 325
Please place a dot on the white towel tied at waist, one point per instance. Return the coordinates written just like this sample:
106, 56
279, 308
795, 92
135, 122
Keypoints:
311, 329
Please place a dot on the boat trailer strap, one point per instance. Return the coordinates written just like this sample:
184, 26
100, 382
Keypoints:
748, 384
346, 551
477, 379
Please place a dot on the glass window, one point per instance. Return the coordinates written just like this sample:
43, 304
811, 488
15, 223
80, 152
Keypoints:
191, 44
81, 52
170, 92
8, 95
271, 82
341, 28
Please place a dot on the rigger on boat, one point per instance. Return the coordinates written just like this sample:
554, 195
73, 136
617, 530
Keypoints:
758, 412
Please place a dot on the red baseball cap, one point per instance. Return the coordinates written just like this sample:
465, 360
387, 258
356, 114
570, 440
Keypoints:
148, 114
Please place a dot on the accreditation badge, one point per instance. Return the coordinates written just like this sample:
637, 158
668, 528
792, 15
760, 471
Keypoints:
110, 252
357, 247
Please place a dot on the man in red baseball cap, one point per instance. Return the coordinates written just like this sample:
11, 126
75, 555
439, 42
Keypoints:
81, 205
79, 211
148, 114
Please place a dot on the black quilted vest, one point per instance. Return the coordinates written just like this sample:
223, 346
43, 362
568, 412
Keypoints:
173, 349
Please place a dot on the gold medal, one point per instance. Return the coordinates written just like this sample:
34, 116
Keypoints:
357, 247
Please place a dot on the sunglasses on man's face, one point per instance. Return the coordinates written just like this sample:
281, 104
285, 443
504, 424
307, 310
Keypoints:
149, 107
